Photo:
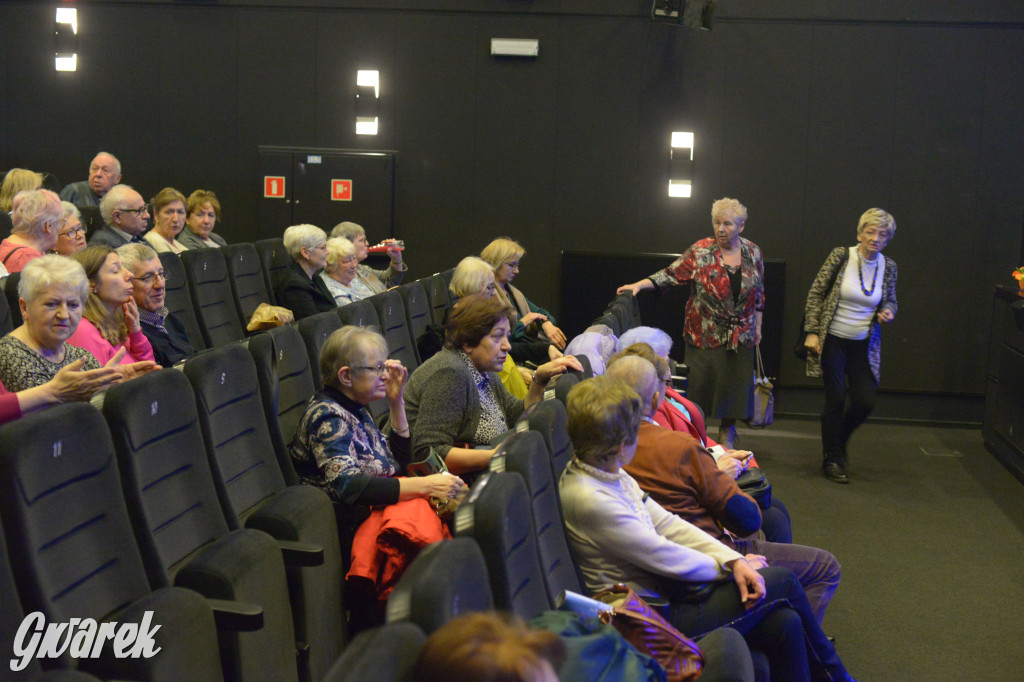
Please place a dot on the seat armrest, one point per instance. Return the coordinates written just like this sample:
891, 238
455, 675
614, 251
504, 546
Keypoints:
236, 616
297, 553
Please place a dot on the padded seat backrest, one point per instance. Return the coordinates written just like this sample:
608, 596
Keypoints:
360, 313
166, 477
394, 326
178, 299
62, 502
437, 296
608, 319
314, 331
11, 294
386, 653
286, 385
445, 580
6, 321
66, 520
240, 451
247, 280
548, 418
525, 454
497, 514
274, 259
417, 310
446, 275
212, 297
92, 220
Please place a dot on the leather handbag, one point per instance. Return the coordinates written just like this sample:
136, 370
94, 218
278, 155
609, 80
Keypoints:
764, 400
644, 628
754, 483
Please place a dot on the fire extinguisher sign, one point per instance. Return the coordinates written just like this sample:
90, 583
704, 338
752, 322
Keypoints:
273, 187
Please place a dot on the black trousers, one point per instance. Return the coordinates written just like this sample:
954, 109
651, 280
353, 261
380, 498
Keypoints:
850, 390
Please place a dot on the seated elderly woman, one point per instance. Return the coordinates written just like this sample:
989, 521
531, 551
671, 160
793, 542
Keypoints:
338, 448
534, 323
298, 288
203, 212
71, 237
36, 222
51, 292
168, 208
111, 319
455, 400
369, 281
474, 276
622, 536
340, 270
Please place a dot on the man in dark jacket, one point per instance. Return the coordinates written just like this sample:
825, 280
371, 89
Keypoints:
165, 332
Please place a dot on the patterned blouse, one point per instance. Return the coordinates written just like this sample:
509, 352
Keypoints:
713, 320
492, 421
21, 367
339, 449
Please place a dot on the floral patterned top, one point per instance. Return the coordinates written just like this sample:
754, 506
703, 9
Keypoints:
21, 367
713, 320
339, 449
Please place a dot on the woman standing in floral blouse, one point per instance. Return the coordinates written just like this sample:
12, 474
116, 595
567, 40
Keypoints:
723, 315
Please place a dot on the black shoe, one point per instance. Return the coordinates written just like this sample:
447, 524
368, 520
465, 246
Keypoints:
835, 472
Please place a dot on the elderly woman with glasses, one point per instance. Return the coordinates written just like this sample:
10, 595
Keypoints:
71, 237
298, 287
368, 281
37, 218
111, 319
168, 221
456, 401
51, 292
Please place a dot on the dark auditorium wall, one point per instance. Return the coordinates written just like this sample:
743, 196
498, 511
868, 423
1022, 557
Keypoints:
809, 112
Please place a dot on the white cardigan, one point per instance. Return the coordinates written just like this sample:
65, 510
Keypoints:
621, 537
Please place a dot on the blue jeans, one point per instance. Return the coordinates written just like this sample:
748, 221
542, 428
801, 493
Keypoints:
782, 625
816, 569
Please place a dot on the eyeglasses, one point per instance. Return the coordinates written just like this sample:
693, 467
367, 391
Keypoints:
512, 265
379, 368
151, 277
140, 210
72, 233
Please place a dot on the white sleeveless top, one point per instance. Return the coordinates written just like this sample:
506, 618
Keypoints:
856, 309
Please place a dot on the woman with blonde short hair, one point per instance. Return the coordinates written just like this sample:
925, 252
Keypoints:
852, 296
369, 281
340, 271
534, 322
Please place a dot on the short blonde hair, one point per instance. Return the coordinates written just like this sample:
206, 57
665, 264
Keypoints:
604, 413
17, 180
298, 237
339, 248
876, 217
348, 230
200, 197
501, 250
727, 206
347, 347
168, 195
470, 277
52, 270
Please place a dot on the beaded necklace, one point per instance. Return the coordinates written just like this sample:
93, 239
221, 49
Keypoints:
860, 274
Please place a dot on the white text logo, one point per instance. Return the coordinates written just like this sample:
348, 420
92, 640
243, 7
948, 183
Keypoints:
82, 638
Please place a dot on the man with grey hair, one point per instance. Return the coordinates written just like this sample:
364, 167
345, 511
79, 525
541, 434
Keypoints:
125, 217
165, 332
104, 173
682, 477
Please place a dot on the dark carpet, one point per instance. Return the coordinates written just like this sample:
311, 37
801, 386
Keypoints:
930, 535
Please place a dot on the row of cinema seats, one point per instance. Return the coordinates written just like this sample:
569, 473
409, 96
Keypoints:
174, 484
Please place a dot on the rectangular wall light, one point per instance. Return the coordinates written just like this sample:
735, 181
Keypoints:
515, 47
680, 165
65, 39
367, 101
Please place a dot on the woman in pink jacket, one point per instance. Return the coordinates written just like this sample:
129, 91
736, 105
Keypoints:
111, 319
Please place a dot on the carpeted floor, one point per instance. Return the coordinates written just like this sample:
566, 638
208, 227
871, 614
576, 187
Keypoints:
930, 534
